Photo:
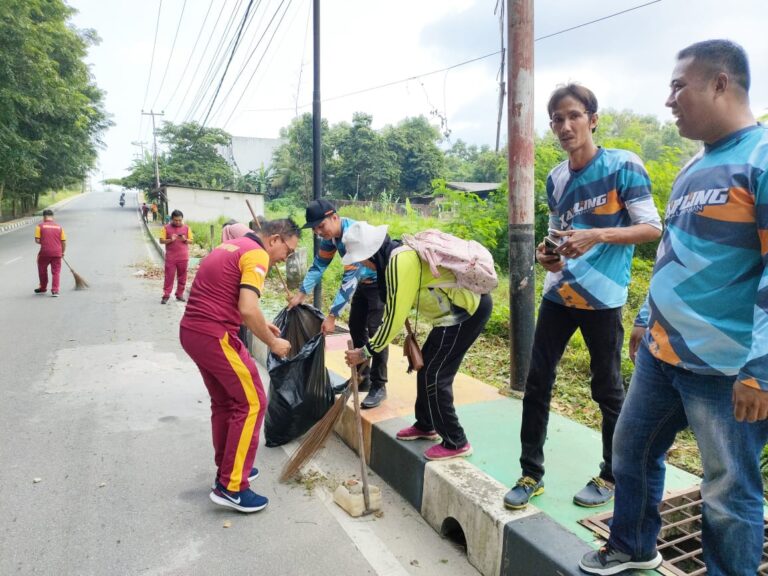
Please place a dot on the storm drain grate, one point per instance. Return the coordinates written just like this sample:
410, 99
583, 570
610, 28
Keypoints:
680, 537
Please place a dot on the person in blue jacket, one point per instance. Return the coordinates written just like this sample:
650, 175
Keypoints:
359, 284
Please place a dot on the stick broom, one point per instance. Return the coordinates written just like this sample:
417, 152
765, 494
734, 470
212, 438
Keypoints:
80, 283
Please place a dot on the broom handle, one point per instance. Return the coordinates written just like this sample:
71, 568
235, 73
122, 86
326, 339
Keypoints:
359, 424
256, 221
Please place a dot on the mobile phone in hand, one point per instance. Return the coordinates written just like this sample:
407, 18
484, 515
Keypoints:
551, 242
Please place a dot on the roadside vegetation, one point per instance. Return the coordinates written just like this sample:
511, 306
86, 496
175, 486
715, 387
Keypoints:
52, 111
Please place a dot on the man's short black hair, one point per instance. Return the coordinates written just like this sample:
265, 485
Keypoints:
575, 91
721, 56
47, 212
177, 213
285, 227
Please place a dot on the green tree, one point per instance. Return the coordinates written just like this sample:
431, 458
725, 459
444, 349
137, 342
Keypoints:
190, 159
363, 166
414, 143
293, 160
52, 112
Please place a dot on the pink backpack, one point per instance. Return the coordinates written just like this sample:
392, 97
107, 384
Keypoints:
470, 261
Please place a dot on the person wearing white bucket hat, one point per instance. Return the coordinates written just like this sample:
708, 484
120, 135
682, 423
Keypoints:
359, 287
458, 317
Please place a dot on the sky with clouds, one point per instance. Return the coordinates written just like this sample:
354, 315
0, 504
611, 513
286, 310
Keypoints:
387, 59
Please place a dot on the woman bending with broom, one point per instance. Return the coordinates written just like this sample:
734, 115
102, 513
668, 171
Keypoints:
458, 317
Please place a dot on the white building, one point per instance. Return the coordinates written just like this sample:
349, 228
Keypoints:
202, 205
249, 154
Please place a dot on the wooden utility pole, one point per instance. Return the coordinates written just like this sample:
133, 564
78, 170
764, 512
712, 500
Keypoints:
317, 136
521, 212
161, 201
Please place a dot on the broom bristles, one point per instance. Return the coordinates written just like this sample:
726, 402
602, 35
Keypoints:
315, 438
80, 283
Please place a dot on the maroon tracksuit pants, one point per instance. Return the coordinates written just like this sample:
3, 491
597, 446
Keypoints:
238, 402
42, 271
172, 269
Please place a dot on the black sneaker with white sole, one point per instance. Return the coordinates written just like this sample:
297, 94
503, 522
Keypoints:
608, 560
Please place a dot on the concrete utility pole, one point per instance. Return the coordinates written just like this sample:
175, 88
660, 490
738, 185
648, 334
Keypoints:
154, 146
521, 155
317, 136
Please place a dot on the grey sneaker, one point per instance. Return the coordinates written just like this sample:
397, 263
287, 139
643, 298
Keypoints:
596, 493
608, 561
525, 489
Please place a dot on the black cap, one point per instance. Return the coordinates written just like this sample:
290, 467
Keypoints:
317, 211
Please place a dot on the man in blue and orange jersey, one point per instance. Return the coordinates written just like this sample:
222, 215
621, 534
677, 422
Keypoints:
53, 243
700, 344
176, 236
225, 293
600, 206
358, 284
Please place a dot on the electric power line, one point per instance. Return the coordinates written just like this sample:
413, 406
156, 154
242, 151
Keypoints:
255, 42
258, 64
170, 56
214, 65
191, 54
202, 57
231, 55
151, 63
458, 65
596, 20
303, 51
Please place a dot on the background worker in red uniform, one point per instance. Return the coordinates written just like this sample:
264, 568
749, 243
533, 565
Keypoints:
225, 293
53, 243
176, 236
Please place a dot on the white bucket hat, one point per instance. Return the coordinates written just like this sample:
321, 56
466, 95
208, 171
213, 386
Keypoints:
362, 241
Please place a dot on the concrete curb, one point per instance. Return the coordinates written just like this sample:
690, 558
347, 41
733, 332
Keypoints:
27, 220
155, 241
14, 224
455, 496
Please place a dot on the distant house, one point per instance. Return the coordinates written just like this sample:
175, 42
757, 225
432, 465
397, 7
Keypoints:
201, 204
482, 189
249, 154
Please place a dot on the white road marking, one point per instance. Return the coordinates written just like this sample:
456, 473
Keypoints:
11, 261
359, 530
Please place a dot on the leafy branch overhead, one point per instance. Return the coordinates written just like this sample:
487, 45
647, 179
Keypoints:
52, 111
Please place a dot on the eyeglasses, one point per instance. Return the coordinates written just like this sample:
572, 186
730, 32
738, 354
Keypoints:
291, 251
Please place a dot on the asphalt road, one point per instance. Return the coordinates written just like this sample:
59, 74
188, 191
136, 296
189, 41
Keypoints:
105, 455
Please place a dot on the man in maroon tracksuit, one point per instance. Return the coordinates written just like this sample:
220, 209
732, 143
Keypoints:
53, 242
176, 236
227, 292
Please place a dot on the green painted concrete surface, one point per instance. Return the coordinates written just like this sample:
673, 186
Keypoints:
572, 456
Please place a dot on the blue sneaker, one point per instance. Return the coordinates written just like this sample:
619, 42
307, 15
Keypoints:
251, 477
525, 489
244, 501
608, 561
596, 493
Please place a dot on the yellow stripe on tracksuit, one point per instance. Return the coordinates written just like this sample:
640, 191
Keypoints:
246, 381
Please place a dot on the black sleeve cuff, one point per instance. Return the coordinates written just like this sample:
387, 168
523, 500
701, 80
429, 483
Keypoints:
249, 287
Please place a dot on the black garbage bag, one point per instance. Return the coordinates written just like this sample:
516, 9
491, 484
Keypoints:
300, 391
